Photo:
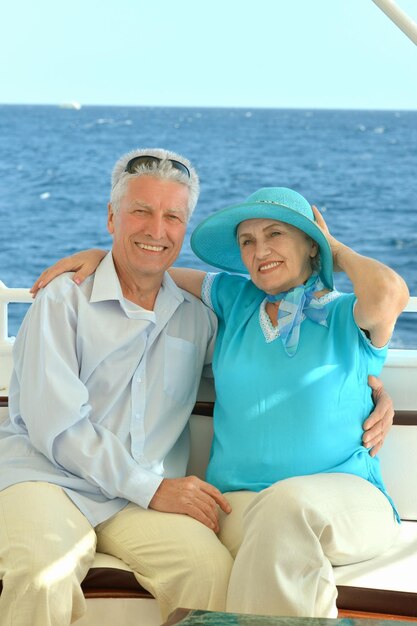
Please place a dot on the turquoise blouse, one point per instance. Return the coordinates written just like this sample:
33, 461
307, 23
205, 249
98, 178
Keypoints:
278, 416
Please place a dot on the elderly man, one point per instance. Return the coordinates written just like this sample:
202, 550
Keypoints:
95, 450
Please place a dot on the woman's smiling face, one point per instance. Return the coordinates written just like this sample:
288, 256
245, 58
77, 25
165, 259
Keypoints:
277, 255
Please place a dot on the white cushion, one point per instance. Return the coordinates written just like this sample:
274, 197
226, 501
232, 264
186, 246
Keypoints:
399, 469
394, 570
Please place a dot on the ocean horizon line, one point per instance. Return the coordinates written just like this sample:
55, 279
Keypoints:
62, 104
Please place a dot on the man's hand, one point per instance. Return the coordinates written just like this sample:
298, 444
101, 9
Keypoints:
190, 496
379, 422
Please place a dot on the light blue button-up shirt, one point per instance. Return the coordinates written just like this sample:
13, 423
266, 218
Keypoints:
102, 390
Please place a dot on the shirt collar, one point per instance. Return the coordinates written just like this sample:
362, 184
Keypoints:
106, 285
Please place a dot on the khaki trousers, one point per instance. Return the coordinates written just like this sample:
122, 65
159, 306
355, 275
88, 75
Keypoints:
47, 546
286, 538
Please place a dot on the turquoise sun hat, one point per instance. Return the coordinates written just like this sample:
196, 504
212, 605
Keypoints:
214, 240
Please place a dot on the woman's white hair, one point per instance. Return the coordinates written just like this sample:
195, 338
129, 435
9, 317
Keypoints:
159, 169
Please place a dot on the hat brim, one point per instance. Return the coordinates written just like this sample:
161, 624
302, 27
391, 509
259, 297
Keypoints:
214, 240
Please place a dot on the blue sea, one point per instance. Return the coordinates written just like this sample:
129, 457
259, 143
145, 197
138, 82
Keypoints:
358, 167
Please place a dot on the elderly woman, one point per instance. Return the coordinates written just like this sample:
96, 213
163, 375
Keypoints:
291, 363
290, 366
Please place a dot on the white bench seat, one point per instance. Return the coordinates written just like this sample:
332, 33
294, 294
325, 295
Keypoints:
386, 584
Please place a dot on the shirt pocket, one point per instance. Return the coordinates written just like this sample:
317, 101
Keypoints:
180, 367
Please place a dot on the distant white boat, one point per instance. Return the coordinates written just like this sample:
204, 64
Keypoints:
70, 105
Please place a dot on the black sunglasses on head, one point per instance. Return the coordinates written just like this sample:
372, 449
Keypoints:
146, 159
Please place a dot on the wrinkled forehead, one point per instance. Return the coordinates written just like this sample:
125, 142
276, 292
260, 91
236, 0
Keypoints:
259, 224
153, 191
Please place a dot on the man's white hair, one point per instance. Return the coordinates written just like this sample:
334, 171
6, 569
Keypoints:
159, 169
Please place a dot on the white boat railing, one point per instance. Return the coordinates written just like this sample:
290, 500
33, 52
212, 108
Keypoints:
8, 296
396, 357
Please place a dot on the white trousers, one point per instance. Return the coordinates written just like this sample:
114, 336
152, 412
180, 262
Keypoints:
286, 538
47, 546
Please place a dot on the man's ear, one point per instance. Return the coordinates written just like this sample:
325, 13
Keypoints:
110, 218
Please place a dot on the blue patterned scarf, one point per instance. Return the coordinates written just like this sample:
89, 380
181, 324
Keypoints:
293, 305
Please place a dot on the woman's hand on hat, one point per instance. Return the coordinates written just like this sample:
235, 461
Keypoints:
334, 244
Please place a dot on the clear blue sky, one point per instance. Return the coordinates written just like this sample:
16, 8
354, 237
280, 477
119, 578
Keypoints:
250, 53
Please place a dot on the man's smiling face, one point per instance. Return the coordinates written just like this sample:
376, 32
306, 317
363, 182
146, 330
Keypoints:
149, 226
